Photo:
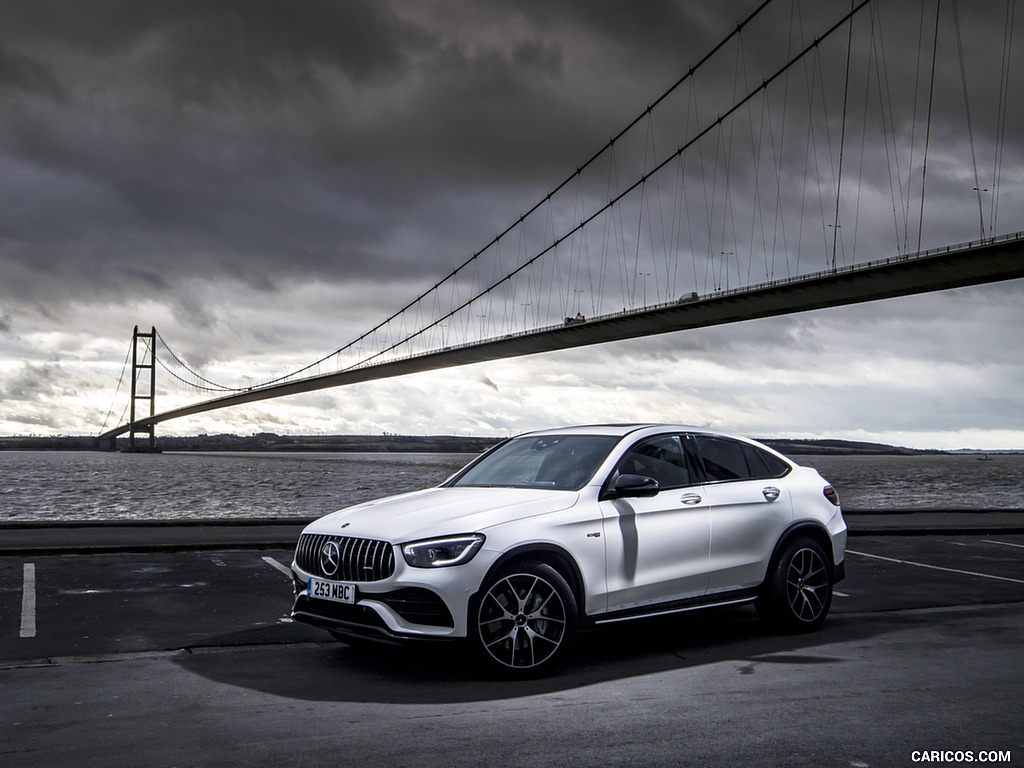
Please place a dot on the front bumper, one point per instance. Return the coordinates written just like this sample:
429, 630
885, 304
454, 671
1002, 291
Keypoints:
398, 615
409, 605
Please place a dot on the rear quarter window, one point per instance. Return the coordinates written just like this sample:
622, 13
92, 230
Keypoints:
763, 464
726, 460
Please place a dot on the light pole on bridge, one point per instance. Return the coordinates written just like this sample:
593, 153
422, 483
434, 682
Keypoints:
981, 210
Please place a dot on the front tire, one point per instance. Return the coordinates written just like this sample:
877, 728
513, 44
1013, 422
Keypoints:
798, 590
525, 619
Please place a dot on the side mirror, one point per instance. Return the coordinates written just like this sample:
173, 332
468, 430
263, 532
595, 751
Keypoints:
633, 486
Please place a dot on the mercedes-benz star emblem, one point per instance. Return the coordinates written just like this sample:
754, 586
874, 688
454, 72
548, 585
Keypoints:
330, 558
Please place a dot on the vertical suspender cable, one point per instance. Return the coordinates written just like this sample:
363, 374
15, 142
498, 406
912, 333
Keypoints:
1004, 88
928, 124
842, 141
905, 200
967, 111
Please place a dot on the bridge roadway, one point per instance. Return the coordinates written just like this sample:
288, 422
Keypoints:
954, 267
146, 647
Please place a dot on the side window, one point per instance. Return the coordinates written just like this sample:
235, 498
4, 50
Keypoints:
764, 465
726, 459
723, 459
662, 458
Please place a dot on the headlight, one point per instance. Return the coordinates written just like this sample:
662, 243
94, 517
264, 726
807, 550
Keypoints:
438, 553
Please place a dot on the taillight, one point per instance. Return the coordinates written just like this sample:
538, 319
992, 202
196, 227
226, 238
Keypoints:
831, 494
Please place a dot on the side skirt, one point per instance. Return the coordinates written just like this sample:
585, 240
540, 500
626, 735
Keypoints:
682, 606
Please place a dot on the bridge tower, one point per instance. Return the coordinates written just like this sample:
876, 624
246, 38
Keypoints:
146, 361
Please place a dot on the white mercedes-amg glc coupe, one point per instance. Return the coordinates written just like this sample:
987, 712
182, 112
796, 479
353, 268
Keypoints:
552, 532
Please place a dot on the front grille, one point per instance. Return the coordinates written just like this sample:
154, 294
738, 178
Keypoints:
360, 559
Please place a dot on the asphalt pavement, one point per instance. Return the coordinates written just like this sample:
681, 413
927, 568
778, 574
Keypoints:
188, 658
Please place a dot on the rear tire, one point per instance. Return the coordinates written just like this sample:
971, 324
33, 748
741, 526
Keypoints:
798, 590
525, 619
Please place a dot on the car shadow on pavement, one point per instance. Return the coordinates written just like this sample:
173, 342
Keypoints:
333, 671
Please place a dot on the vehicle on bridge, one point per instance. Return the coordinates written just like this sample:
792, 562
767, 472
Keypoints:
556, 531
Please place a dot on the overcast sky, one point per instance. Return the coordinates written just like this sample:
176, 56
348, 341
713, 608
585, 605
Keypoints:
263, 181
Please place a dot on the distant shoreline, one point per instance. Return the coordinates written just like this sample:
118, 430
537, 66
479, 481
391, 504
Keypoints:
272, 443
389, 443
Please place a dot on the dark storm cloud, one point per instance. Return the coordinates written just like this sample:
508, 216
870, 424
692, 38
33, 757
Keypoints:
210, 45
267, 140
272, 139
300, 134
20, 73
252, 140
257, 176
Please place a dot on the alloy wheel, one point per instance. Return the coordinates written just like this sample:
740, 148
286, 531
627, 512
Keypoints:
522, 621
807, 583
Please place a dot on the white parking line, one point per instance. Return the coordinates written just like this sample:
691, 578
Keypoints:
28, 601
1004, 543
282, 568
936, 567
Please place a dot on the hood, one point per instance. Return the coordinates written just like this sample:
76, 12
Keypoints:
441, 511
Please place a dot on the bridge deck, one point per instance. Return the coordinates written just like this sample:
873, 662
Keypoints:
954, 267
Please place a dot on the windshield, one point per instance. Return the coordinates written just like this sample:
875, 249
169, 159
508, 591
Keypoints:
560, 462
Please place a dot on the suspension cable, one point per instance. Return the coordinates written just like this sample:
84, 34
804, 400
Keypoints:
592, 159
642, 180
120, 380
193, 385
388, 346
214, 386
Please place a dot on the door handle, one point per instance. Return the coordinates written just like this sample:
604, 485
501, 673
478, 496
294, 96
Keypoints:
690, 498
771, 493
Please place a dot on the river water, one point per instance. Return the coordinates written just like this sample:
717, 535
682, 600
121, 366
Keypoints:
83, 485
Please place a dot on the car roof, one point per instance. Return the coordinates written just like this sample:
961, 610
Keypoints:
648, 429
621, 430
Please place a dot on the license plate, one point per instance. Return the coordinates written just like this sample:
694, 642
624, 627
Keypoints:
338, 591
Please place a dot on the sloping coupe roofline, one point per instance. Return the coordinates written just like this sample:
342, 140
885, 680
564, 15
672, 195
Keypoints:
622, 429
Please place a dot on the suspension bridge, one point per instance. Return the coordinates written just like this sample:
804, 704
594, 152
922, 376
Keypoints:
808, 186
